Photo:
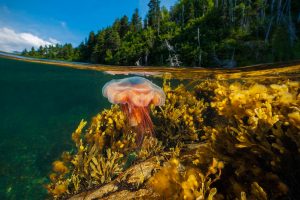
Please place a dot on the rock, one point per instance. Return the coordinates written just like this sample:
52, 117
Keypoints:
128, 195
128, 185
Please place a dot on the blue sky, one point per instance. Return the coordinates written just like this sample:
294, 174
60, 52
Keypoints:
25, 23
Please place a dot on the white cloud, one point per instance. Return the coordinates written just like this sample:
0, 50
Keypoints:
11, 41
54, 41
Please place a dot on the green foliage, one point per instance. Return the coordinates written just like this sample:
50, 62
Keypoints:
60, 52
124, 26
207, 33
154, 14
136, 22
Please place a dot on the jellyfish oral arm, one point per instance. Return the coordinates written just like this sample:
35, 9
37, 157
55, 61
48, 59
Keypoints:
135, 94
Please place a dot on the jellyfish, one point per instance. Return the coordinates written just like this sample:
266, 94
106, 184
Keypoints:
135, 95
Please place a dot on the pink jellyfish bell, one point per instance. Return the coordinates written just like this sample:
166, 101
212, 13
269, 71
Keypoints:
135, 95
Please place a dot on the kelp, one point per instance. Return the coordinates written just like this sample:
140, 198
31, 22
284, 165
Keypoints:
181, 118
103, 151
175, 181
213, 140
257, 103
258, 139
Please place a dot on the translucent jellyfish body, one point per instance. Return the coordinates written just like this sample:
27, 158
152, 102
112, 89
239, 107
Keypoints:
135, 95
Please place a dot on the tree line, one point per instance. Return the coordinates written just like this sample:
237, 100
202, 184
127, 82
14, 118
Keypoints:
203, 33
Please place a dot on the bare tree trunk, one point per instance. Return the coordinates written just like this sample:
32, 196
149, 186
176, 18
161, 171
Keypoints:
198, 36
271, 21
279, 5
269, 30
203, 8
272, 7
246, 15
230, 10
200, 51
146, 59
233, 13
200, 58
292, 31
182, 15
243, 18
158, 26
264, 10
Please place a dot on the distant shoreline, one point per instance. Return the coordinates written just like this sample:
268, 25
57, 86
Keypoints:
179, 72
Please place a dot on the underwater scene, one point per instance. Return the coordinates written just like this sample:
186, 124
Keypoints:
78, 131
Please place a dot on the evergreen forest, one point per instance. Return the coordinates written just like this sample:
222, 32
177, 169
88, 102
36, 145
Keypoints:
192, 33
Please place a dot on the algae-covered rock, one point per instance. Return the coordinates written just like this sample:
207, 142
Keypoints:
213, 140
127, 185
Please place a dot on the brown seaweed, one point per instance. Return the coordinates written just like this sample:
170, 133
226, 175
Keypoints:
250, 150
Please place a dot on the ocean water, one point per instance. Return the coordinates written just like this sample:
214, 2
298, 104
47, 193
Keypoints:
42, 103
40, 106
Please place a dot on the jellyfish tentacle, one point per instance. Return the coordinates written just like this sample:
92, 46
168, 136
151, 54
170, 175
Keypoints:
135, 117
147, 121
145, 126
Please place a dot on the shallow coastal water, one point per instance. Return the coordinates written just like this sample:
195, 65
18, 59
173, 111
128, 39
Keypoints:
40, 107
42, 104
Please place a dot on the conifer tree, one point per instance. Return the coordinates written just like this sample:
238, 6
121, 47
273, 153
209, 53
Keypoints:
32, 52
153, 15
90, 45
201, 32
24, 52
136, 22
124, 26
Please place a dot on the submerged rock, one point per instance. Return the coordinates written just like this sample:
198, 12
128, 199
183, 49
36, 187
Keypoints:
127, 185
